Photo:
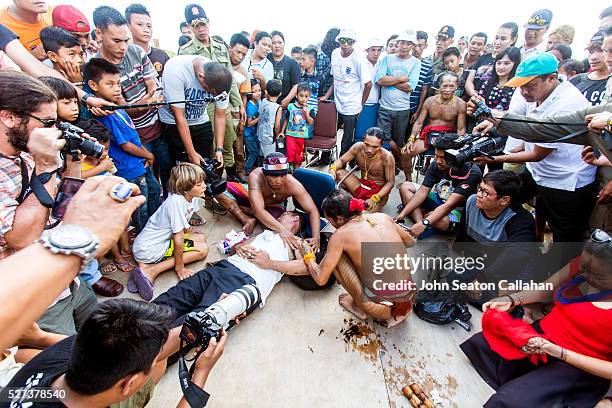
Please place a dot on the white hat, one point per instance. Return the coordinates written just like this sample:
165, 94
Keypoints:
408, 35
374, 42
344, 33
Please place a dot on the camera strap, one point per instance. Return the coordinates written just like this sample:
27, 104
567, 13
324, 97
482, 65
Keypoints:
36, 185
196, 397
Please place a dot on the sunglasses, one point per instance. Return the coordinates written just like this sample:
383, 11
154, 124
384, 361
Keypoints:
47, 123
601, 236
277, 160
346, 41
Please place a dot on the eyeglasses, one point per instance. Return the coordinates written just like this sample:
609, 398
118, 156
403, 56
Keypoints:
346, 41
47, 123
601, 236
482, 191
276, 160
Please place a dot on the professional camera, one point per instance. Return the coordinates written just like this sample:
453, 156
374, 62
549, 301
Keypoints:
214, 184
200, 327
471, 145
75, 143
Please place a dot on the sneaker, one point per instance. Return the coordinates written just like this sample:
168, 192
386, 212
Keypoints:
215, 207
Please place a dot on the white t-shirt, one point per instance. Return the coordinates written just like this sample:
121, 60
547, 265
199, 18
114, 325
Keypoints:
350, 75
375, 92
181, 83
538, 49
264, 66
272, 243
563, 168
170, 218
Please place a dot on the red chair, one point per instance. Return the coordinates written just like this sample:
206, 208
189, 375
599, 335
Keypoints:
324, 133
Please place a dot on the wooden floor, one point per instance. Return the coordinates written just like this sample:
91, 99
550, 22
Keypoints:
303, 350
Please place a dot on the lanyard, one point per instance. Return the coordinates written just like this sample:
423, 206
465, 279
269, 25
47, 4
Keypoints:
577, 280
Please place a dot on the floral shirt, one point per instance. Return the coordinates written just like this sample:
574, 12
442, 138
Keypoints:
496, 97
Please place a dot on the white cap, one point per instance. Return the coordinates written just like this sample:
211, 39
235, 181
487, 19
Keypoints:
408, 35
344, 33
375, 42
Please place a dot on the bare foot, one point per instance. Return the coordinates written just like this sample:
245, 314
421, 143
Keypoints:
249, 226
346, 301
392, 322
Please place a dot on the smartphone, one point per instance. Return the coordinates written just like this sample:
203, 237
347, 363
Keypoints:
67, 189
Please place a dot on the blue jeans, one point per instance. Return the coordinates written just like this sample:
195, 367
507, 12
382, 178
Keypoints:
150, 188
252, 145
91, 274
159, 148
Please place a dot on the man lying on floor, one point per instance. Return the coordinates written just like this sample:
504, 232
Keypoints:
261, 261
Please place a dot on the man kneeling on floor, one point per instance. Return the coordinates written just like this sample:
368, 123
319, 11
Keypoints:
264, 197
352, 230
377, 167
261, 261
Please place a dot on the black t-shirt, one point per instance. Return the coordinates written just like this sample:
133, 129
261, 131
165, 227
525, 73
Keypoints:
158, 58
484, 69
6, 36
41, 371
593, 90
286, 70
463, 181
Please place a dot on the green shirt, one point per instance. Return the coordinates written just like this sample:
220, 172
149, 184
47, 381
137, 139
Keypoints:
217, 52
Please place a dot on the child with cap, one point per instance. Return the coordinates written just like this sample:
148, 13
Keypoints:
167, 242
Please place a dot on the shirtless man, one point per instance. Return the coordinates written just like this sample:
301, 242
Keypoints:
446, 114
352, 229
268, 187
377, 167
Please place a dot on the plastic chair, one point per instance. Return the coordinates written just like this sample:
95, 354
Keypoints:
324, 132
318, 185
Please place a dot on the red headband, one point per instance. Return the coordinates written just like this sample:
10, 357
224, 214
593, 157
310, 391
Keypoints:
357, 205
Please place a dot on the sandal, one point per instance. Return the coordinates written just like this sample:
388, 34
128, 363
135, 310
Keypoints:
196, 220
125, 266
108, 268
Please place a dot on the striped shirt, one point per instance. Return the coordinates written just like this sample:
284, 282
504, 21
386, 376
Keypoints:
425, 79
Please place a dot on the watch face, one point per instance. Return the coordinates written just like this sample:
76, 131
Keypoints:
70, 237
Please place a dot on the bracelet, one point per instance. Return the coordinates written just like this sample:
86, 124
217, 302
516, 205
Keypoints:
511, 300
375, 198
412, 138
333, 167
309, 256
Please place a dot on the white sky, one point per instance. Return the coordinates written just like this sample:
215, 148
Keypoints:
371, 19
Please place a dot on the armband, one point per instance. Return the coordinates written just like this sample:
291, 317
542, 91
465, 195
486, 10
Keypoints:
333, 167
412, 138
309, 257
375, 198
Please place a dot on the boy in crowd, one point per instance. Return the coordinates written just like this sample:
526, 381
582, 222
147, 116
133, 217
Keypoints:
167, 241
310, 76
270, 114
133, 161
65, 52
141, 27
297, 127
296, 53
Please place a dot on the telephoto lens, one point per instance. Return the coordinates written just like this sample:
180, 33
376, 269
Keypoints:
76, 144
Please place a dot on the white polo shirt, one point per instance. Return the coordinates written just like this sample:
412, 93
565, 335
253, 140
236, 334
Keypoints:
563, 168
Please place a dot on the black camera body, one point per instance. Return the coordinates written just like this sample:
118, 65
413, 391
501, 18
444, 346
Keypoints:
214, 184
199, 328
75, 143
471, 145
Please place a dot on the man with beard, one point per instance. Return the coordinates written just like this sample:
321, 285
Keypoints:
377, 167
264, 198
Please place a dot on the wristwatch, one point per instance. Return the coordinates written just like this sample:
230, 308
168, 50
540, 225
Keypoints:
71, 239
425, 222
85, 97
220, 149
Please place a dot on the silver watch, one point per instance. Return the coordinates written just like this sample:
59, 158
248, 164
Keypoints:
70, 239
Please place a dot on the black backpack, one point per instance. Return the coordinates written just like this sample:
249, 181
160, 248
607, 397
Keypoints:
442, 307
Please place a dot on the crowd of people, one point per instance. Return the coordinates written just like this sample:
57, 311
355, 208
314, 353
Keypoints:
244, 111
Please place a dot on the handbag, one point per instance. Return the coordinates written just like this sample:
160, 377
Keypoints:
442, 307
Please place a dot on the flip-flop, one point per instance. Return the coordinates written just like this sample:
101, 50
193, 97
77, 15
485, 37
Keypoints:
126, 266
196, 220
143, 284
108, 268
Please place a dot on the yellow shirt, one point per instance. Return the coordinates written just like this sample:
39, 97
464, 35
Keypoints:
28, 33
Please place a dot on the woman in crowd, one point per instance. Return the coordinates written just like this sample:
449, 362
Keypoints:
575, 337
561, 35
482, 70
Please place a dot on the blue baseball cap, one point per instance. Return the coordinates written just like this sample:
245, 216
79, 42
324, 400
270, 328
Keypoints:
541, 64
539, 20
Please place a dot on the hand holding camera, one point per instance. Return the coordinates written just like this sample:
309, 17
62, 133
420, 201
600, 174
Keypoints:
44, 144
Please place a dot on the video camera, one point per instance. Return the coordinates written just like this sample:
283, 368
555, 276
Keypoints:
200, 327
467, 147
75, 143
214, 184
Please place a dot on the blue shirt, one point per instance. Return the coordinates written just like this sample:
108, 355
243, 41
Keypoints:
392, 98
252, 109
123, 131
314, 81
425, 79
